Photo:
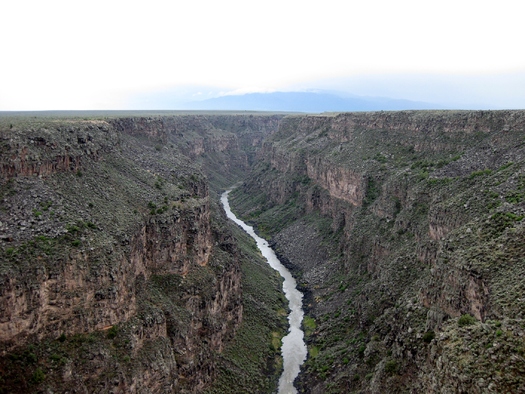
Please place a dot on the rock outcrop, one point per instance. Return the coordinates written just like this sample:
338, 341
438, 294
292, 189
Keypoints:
403, 228
118, 273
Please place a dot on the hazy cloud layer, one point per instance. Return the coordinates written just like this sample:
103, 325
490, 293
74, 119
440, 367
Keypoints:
115, 54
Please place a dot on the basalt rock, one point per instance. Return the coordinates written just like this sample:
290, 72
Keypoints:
117, 274
404, 228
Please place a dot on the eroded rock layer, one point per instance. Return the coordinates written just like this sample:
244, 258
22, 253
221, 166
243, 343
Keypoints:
404, 229
118, 272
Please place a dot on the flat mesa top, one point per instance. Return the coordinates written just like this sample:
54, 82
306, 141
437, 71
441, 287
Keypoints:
129, 113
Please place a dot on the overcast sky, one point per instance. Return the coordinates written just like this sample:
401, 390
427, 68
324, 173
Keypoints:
116, 54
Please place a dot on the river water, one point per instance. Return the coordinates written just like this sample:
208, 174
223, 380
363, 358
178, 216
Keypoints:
293, 348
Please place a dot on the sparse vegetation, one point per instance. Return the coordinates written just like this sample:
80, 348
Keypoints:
391, 229
112, 332
466, 320
429, 336
391, 366
38, 376
434, 212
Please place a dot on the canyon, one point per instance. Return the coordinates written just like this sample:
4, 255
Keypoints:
121, 273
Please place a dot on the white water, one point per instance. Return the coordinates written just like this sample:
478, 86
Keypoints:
293, 347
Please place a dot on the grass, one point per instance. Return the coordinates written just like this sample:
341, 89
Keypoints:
309, 325
313, 351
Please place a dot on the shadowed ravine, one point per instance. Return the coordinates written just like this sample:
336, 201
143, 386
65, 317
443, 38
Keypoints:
293, 347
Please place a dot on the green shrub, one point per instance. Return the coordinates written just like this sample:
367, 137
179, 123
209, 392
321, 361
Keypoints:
422, 174
391, 366
31, 357
309, 325
380, 158
112, 332
55, 358
466, 320
361, 350
480, 173
72, 228
505, 166
501, 221
428, 336
38, 376
45, 205
372, 192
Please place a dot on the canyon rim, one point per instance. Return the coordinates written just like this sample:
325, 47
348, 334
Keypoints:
120, 272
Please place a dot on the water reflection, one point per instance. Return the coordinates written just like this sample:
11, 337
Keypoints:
293, 347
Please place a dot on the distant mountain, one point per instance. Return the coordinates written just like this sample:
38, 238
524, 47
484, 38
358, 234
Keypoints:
305, 102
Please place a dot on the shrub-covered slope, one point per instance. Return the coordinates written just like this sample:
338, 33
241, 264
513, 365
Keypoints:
406, 232
118, 270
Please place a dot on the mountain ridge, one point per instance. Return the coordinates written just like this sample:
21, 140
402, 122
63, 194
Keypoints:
307, 102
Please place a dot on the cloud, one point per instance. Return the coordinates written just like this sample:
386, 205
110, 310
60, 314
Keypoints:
62, 54
475, 90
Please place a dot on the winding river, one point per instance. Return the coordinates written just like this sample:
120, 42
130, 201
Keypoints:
293, 348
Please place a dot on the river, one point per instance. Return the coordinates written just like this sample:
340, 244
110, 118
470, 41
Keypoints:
293, 348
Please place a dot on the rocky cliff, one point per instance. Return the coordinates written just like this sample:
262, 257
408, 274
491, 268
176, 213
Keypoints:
118, 272
404, 230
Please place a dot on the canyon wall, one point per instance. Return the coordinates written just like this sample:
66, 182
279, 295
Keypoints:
118, 272
403, 229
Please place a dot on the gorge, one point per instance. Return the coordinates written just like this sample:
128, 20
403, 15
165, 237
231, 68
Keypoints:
293, 348
120, 272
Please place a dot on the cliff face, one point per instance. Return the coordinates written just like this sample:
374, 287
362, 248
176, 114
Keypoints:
224, 144
399, 225
117, 272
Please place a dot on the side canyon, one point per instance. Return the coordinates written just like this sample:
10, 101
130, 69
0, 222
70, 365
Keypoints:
120, 272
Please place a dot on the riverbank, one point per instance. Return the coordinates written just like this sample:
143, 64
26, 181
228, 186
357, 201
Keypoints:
293, 347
